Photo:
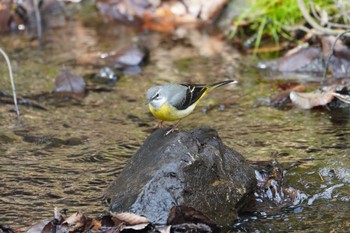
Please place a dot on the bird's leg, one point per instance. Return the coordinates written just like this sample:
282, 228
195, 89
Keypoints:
158, 125
174, 128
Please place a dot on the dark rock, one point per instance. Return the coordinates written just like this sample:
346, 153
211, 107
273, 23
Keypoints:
180, 215
6, 229
105, 76
183, 168
305, 60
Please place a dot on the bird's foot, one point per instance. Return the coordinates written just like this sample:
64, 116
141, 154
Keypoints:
173, 129
158, 125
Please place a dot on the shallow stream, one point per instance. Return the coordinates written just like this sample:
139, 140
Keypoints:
66, 156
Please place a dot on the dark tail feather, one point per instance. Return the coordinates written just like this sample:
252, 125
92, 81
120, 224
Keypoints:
219, 84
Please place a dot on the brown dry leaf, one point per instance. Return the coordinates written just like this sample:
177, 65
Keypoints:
164, 16
130, 218
78, 221
311, 99
96, 224
162, 20
283, 97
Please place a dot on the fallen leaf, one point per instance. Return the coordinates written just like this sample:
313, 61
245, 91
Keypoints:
282, 98
341, 97
133, 55
311, 99
130, 218
135, 227
78, 221
164, 16
69, 83
126, 11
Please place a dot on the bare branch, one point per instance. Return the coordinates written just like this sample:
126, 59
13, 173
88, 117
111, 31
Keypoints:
12, 80
313, 23
38, 20
331, 53
331, 24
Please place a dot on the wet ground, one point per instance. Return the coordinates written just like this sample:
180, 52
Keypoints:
66, 156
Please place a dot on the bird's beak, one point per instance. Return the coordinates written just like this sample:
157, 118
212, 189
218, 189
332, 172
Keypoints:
147, 102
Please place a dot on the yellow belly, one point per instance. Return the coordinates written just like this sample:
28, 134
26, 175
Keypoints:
168, 113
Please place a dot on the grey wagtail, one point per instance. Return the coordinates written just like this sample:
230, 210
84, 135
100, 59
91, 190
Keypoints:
173, 102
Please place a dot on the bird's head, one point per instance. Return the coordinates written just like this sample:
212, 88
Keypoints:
155, 97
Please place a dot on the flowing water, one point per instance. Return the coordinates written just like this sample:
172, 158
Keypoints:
66, 156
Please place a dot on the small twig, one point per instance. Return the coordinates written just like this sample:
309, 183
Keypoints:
314, 12
319, 174
12, 80
343, 11
330, 24
313, 23
331, 53
38, 20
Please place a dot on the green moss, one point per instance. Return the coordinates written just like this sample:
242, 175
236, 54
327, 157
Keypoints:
89, 14
184, 64
268, 19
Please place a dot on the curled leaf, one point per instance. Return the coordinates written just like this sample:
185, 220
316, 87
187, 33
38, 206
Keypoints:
311, 99
341, 97
77, 221
136, 227
130, 218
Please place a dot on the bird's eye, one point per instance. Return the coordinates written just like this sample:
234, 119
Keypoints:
156, 96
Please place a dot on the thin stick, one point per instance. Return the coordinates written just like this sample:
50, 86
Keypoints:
12, 80
331, 24
313, 23
38, 20
331, 53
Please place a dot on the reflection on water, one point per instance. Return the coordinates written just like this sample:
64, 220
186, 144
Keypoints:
66, 156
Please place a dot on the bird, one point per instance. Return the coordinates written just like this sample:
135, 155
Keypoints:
173, 102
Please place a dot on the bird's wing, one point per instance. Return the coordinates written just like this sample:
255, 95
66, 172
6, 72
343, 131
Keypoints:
193, 94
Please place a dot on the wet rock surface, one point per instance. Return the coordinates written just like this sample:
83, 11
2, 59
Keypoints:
183, 168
